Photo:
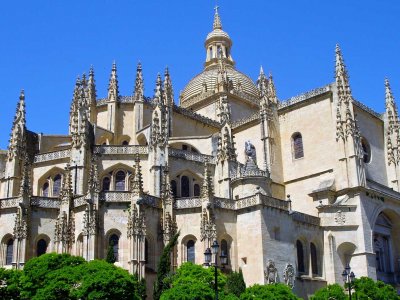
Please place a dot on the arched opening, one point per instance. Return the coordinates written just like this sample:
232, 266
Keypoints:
9, 251
106, 184
190, 251
297, 145
41, 247
57, 185
125, 143
314, 259
79, 245
196, 190
174, 188
225, 249
120, 181
366, 150
45, 189
300, 257
113, 242
146, 251
185, 189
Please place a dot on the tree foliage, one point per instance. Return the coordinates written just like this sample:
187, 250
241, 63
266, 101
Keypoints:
366, 288
65, 277
277, 291
194, 282
235, 283
10, 284
332, 291
164, 268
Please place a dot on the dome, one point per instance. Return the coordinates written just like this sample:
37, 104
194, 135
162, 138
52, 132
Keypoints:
217, 33
209, 78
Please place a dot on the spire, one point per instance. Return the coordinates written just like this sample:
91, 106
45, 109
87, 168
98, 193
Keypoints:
138, 94
341, 76
389, 96
262, 82
168, 90
158, 91
113, 93
25, 187
17, 145
217, 20
92, 87
271, 92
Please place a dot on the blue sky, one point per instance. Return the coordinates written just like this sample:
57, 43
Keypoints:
46, 44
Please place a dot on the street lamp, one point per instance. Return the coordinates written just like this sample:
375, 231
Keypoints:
208, 261
348, 277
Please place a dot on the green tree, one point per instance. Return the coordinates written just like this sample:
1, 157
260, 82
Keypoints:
195, 282
110, 258
10, 284
332, 291
366, 288
65, 277
164, 268
235, 283
276, 291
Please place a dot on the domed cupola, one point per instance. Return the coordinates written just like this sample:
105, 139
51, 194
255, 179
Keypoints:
218, 44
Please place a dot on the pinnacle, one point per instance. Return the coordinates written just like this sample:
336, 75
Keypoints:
114, 66
22, 95
166, 73
91, 71
139, 66
261, 70
217, 20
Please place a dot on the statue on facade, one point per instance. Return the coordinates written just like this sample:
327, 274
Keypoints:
250, 151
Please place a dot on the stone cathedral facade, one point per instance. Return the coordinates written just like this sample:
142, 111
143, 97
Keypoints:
292, 190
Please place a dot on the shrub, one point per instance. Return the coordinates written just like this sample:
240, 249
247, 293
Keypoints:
333, 291
277, 291
235, 283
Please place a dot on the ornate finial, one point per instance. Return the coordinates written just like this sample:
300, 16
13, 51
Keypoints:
158, 90
168, 90
261, 70
262, 82
22, 95
113, 93
139, 84
271, 90
388, 95
217, 20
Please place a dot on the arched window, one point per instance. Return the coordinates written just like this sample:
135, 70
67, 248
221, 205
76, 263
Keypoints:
314, 259
106, 184
41, 247
45, 189
190, 251
297, 145
79, 245
9, 251
300, 257
57, 185
211, 52
196, 190
225, 249
185, 191
125, 143
120, 181
174, 188
113, 241
366, 150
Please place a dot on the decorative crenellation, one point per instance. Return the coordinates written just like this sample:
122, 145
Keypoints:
120, 149
50, 156
303, 97
9, 202
111, 196
188, 155
45, 202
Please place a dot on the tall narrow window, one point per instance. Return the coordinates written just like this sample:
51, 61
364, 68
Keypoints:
45, 189
113, 241
196, 190
190, 251
120, 181
225, 249
300, 257
57, 185
314, 259
146, 251
106, 184
174, 188
185, 191
297, 141
79, 245
41, 247
9, 251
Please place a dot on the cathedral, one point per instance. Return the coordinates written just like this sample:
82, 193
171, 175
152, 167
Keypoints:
293, 191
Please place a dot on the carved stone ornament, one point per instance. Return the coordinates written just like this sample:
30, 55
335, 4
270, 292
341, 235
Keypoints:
271, 273
340, 218
289, 275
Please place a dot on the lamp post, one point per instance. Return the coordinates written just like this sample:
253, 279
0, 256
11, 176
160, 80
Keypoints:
208, 262
348, 277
